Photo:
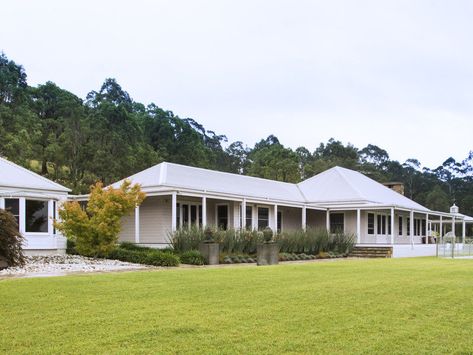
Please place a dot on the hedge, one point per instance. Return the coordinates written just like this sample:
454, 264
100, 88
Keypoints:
146, 256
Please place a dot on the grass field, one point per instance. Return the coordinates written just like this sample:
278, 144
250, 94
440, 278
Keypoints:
408, 306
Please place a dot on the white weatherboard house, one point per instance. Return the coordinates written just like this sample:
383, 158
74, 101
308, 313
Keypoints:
337, 199
33, 200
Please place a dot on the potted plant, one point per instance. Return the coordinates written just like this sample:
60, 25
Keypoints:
268, 251
209, 247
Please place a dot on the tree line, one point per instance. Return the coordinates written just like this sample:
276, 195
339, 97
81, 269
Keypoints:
109, 136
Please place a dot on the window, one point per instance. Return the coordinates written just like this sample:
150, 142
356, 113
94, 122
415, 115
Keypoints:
400, 225
36, 216
389, 225
337, 223
381, 224
263, 217
424, 227
200, 215
54, 216
193, 214
12, 205
279, 222
417, 225
408, 226
83, 205
249, 217
178, 215
222, 216
370, 223
185, 215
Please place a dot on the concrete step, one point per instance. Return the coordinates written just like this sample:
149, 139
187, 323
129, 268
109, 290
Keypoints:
372, 252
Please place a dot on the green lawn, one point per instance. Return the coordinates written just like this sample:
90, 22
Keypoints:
386, 306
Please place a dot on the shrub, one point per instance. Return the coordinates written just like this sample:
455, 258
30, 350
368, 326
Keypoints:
146, 256
192, 257
133, 246
10, 240
95, 229
71, 247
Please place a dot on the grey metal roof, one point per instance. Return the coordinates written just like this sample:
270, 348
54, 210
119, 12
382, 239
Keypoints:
13, 175
335, 186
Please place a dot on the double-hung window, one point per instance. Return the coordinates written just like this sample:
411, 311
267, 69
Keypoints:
263, 217
337, 223
222, 217
371, 223
249, 217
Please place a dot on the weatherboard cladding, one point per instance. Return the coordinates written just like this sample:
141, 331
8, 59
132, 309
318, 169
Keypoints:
337, 185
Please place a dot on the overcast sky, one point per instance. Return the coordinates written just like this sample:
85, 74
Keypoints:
398, 74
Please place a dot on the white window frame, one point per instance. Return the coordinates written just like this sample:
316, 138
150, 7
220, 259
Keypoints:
228, 214
257, 215
181, 215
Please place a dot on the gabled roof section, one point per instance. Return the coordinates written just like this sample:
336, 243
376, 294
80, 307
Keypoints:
13, 175
344, 186
211, 181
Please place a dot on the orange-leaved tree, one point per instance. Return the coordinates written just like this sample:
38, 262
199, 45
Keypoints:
95, 229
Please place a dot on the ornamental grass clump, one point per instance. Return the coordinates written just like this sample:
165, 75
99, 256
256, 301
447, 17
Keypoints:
231, 241
10, 240
185, 239
315, 241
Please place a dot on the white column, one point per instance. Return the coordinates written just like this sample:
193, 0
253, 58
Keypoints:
204, 211
304, 218
275, 227
327, 221
392, 226
411, 228
236, 215
137, 224
453, 226
2, 203
441, 227
254, 219
50, 217
22, 226
174, 211
358, 226
463, 231
426, 228
243, 214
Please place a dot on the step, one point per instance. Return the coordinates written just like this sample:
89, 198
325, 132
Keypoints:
371, 252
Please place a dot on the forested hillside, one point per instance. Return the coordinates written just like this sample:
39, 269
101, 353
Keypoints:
109, 136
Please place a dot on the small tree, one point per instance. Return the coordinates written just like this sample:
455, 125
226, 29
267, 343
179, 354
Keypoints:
10, 240
95, 230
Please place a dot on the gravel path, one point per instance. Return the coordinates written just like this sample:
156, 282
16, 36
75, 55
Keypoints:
58, 265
